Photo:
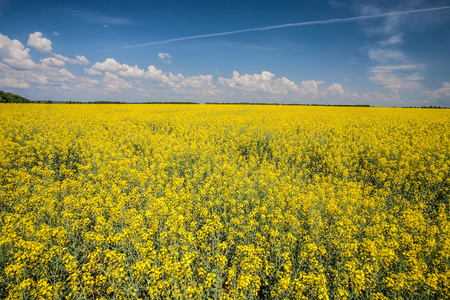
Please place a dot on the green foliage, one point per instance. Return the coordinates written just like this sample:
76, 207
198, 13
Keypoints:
12, 98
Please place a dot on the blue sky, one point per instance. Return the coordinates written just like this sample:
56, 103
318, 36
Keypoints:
378, 52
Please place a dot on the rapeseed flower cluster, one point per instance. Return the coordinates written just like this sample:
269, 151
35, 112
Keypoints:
223, 202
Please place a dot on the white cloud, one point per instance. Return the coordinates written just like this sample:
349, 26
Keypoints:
86, 84
51, 61
109, 65
173, 80
45, 45
165, 57
17, 69
22, 77
386, 55
388, 25
56, 75
310, 87
264, 82
393, 40
256, 86
199, 81
390, 31
124, 70
443, 92
53, 75
40, 43
80, 59
201, 85
132, 72
114, 83
12, 78
91, 71
64, 74
13, 53
414, 77
14, 83
98, 18
405, 77
380, 98
335, 89
152, 73
271, 88
155, 74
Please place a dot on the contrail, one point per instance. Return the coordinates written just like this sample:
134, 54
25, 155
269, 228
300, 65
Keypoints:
322, 22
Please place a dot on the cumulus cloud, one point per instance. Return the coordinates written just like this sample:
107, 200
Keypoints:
14, 83
12, 78
38, 42
165, 57
132, 72
64, 75
22, 78
197, 81
310, 87
202, 84
335, 89
155, 74
13, 53
80, 59
91, 71
17, 70
264, 82
50, 73
114, 83
111, 65
443, 92
44, 45
51, 61
267, 85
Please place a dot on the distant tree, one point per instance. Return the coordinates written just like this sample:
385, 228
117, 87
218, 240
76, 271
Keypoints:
12, 98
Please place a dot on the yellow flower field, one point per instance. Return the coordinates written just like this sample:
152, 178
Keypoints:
223, 202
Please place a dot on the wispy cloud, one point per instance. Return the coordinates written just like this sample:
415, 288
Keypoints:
97, 18
165, 57
398, 77
386, 55
299, 24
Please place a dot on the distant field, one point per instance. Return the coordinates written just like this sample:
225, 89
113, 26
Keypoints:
223, 202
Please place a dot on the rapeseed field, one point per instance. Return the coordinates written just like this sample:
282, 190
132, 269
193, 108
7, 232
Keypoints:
223, 202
